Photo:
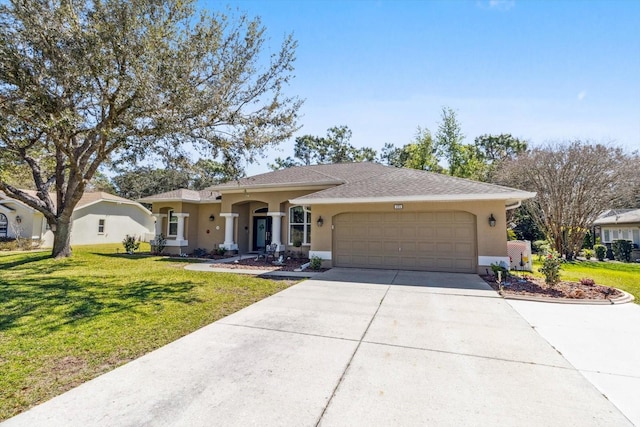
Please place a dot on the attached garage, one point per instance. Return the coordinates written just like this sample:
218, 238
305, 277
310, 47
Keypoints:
428, 241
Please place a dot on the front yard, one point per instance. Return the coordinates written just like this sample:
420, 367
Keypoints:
625, 276
65, 322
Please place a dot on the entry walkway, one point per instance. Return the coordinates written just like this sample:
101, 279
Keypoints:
348, 348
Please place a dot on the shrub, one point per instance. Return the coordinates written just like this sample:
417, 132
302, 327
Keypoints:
8, 244
587, 281
601, 252
511, 235
158, 244
539, 246
551, 268
500, 267
588, 253
315, 263
622, 250
221, 251
131, 244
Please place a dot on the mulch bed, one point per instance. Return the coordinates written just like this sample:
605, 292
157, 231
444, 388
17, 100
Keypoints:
261, 264
531, 286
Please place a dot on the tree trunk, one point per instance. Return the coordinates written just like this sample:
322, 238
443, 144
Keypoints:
62, 239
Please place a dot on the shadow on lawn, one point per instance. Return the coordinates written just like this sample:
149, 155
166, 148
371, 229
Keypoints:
47, 304
23, 261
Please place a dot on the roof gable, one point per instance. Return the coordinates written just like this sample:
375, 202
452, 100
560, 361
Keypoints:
622, 216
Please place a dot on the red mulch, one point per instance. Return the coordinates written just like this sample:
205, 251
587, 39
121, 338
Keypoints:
261, 264
531, 286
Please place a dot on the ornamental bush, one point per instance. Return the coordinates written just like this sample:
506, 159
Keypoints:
551, 268
601, 252
131, 244
315, 263
622, 250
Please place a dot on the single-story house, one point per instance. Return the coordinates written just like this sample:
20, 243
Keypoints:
350, 215
621, 224
98, 218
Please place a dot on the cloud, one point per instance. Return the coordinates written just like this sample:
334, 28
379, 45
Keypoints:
497, 4
582, 95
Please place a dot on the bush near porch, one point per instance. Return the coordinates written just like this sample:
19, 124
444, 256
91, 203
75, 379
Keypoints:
63, 322
619, 275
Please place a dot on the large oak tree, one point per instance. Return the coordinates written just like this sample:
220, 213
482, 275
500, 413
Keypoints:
88, 82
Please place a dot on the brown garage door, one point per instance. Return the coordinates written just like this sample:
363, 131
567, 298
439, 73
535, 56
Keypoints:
429, 241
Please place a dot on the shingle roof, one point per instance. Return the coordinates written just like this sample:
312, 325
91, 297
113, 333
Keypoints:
628, 217
333, 174
359, 182
86, 199
182, 194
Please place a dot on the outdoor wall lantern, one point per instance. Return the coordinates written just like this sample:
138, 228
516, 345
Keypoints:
18, 219
492, 221
320, 221
211, 217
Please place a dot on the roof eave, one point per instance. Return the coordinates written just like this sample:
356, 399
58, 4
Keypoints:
509, 198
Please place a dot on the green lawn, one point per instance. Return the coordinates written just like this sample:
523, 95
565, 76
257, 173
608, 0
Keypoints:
625, 276
63, 322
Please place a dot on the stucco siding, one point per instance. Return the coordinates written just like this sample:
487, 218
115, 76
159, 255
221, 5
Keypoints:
119, 220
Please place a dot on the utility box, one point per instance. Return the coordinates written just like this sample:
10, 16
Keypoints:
520, 254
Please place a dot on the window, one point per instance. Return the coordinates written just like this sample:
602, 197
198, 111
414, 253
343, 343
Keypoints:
3, 225
173, 224
300, 225
101, 226
607, 236
615, 234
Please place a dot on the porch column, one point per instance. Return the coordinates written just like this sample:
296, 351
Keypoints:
276, 229
180, 232
229, 243
158, 224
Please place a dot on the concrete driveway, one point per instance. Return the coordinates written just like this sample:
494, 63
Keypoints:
350, 347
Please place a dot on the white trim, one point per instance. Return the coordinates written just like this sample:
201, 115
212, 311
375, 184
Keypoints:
229, 214
176, 199
229, 246
322, 254
417, 198
488, 260
176, 243
305, 224
276, 214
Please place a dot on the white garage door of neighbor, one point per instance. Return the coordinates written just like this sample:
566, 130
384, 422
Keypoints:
429, 241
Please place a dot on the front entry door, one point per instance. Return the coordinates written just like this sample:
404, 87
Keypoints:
261, 232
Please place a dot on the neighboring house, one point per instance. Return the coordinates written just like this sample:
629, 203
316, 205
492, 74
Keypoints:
350, 215
622, 224
98, 218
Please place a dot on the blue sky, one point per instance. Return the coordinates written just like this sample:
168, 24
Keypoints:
540, 70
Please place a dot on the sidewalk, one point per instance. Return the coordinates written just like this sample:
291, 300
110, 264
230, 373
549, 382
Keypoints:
601, 342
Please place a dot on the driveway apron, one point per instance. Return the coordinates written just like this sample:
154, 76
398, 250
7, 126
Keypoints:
350, 347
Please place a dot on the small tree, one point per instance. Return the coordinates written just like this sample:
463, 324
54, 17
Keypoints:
574, 183
551, 268
131, 244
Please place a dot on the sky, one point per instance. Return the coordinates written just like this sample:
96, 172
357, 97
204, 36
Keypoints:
540, 70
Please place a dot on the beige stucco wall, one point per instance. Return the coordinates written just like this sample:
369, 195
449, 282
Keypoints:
206, 234
491, 241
